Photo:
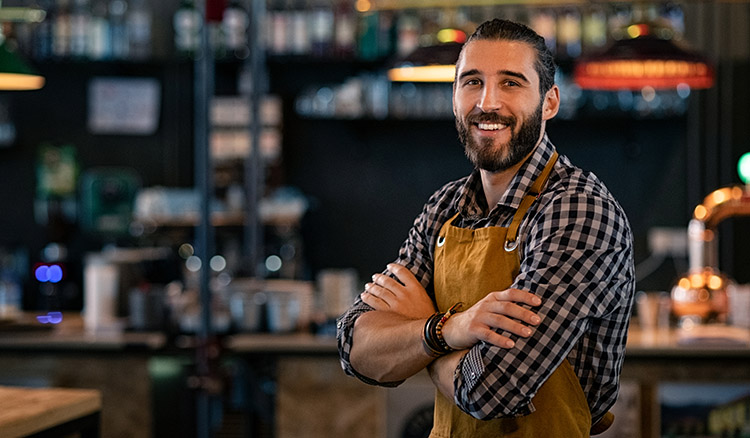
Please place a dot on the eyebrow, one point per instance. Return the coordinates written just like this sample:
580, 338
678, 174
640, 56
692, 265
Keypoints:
512, 73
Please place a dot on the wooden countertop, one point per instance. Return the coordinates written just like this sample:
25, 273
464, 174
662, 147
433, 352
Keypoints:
24, 411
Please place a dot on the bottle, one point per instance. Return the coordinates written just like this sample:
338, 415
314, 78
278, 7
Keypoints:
407, 34
544, 23
569, 34
98, 45
43, 35
298, 41
321, 29
345, 29
118, 29
61, 31
594, 29
139, 30
79, 23
234, 25
187, 23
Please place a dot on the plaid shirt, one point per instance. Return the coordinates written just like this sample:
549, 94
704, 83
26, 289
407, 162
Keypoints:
576, 255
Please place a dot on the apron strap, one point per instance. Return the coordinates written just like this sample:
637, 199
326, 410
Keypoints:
511, 241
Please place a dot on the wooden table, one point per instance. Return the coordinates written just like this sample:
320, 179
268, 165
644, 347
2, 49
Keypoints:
49, 411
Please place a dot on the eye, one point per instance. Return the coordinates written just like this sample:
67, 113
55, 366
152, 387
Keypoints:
472, 81
512, 83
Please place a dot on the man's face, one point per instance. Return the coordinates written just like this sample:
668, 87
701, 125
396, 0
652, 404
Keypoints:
500, 114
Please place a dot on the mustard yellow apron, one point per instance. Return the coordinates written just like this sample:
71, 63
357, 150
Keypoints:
468, 265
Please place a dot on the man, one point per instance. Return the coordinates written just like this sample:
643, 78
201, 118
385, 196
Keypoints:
515, 284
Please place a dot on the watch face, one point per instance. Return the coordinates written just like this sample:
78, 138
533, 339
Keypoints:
419, 423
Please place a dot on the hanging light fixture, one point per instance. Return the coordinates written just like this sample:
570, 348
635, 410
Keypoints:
15, 73
434, 63
648, 56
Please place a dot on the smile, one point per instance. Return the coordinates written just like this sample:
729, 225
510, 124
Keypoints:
490, 126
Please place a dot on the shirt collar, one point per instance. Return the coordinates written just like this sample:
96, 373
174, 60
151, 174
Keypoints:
473, 203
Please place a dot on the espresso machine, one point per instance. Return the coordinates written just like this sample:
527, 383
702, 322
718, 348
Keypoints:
701, 297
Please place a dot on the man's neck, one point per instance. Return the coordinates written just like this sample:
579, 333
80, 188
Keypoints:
495, 184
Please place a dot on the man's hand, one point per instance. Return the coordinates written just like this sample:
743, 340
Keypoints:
498, 310
406, 296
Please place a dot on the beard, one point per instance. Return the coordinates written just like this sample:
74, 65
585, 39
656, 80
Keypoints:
484, 155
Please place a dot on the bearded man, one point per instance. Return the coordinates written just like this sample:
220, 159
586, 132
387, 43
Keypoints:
515, 284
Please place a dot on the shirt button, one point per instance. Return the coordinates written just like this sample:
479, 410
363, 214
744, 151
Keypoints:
338, 324
473, 374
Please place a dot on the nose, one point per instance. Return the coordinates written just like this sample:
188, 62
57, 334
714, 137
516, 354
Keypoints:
490, 99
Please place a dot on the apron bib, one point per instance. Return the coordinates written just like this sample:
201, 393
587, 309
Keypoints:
469, 264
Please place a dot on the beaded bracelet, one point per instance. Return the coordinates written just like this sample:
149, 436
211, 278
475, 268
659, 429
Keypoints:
439, 326
432, 335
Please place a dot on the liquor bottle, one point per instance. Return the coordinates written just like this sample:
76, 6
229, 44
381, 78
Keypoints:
138, 23
345, 29
61, 32
118, 29
234, 24
299, 21
79, 23
98, 43
569, 33
594, 29
321, 28
544, 23
43, 35
408, 34
187, 23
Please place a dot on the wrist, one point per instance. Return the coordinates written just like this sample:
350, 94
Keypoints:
433, 341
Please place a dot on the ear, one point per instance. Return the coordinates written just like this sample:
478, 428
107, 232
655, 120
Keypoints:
551, 103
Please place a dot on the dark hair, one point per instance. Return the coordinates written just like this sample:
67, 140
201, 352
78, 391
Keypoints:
498, 29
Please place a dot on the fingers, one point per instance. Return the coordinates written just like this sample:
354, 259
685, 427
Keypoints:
385, 282
374, 301
404, 275
517, 296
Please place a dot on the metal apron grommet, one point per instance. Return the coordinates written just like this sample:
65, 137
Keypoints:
511, 245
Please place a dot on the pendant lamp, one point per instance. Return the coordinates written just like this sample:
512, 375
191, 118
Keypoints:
647, 57
433, 63
15, 73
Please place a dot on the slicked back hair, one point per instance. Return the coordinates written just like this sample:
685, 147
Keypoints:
505, 30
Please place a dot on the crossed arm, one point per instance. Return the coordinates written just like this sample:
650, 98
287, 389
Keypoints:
387, 344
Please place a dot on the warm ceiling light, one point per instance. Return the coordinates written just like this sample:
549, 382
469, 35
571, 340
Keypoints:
15, 74
648, 58
428, 64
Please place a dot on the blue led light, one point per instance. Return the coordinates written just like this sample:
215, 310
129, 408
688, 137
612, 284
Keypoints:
49, 273
50, 318
42, 273
54, 274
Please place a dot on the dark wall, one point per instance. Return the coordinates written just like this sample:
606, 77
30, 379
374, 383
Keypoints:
369, 179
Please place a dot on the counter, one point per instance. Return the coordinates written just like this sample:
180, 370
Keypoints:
49, 411
296, 384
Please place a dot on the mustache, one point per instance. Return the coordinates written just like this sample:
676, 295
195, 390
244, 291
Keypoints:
491, 118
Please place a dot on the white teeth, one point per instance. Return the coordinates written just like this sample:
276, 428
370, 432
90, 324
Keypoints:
490, 126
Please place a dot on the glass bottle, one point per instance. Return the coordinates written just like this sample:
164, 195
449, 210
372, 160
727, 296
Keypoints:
345, 30
118, 29
61, 31
98, 44
187, 23
139, 30
234, 24
79, 23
